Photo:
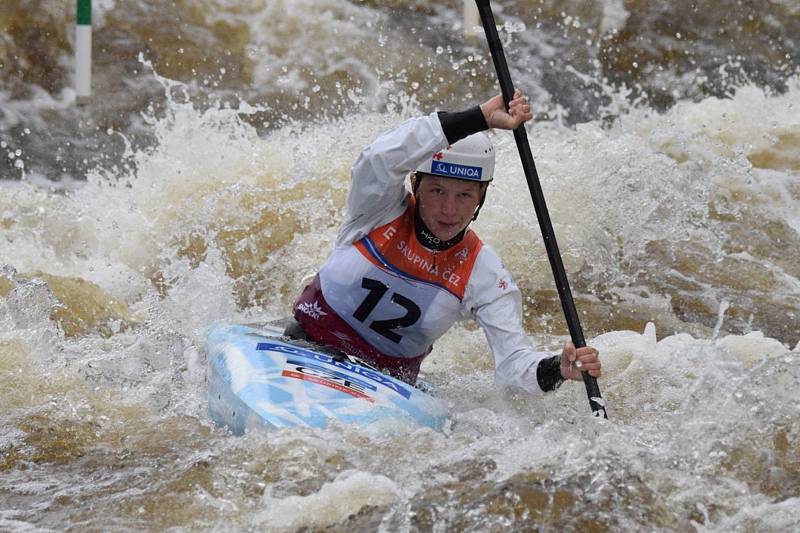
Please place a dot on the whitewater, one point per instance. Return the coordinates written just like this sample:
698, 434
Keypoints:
679, 230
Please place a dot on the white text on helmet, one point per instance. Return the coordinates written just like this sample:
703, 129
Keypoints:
453, 170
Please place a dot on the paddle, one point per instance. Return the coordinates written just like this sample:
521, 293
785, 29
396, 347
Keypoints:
562, 284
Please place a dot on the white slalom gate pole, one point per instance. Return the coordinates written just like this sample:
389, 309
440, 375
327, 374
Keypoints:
83, 52
471, 18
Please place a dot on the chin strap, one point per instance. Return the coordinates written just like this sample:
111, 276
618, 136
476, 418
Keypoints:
428, 239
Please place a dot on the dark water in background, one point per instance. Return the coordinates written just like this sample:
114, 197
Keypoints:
207, 178
308, 60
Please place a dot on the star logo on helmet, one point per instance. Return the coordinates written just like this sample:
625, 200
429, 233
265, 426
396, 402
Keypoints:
438, 156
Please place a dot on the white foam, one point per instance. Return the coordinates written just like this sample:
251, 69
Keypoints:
334, 502
753, 347
614, 15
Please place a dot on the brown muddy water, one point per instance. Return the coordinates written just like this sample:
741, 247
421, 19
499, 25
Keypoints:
207, 179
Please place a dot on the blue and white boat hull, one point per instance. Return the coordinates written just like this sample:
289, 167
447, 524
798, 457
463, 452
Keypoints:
258, 378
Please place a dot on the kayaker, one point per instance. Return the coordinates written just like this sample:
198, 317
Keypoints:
405, 266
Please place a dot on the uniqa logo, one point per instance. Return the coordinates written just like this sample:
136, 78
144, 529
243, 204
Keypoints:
456, 171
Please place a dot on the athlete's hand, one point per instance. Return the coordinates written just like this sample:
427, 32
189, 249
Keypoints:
496, 115
574, 361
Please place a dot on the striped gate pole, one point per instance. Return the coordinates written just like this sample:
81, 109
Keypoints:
83, 52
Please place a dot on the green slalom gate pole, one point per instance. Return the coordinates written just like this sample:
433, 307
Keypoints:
83, 52
548, 235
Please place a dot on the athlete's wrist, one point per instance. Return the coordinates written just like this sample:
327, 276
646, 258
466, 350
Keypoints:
548, 373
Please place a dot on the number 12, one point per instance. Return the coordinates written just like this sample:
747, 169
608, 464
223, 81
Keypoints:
384, 327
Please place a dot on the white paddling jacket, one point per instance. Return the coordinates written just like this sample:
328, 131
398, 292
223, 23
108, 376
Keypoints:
398, 297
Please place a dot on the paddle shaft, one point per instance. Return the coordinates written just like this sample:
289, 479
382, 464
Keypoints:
532, 177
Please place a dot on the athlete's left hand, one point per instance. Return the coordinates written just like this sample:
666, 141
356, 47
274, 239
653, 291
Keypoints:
497, 116
574, 361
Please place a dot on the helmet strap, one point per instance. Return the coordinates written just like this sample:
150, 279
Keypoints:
415, 182
480, 204
428, 239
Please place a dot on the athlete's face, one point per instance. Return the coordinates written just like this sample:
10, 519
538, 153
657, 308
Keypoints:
447, 205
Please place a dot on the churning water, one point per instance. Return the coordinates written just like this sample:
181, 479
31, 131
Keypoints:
206, 181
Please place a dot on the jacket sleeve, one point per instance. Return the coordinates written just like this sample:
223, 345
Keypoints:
496, 304
377, 189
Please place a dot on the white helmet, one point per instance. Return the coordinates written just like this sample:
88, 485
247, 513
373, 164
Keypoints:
471, 159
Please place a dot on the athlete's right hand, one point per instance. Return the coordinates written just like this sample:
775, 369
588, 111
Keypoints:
496, 115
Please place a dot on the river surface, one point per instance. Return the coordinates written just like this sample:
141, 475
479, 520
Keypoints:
206, 180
